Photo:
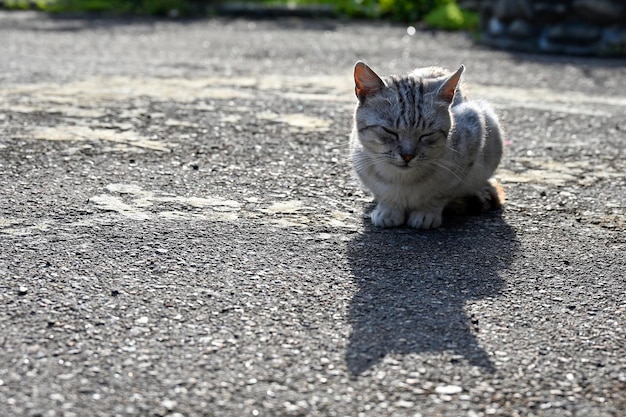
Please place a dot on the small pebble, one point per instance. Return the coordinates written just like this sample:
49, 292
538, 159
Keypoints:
168, 404
404, 404
448, 389
22, 290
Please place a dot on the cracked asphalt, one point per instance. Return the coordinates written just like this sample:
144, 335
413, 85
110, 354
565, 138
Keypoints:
181, 234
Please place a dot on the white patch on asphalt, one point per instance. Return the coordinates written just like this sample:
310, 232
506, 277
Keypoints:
7, 222
340, 218
140, 199
548, 171
549, 100
125, 139
284, 207
133, 202
24, 230
50, 108
297, 120
231, 118
108, 202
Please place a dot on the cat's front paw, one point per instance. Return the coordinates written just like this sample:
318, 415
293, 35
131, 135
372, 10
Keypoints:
424, 220
387, 217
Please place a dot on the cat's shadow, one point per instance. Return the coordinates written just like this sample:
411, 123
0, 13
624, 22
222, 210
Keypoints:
413, 287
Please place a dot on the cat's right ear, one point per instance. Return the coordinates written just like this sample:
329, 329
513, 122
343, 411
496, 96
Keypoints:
367, 82
448, 89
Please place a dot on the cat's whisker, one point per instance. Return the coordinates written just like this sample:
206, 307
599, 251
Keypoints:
448, 163
364, 166
378, 159
443, 166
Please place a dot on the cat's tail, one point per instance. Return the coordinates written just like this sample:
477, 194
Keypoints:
490, 197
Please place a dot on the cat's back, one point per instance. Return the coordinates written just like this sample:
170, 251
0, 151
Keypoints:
478, 116
477, 133
429, 72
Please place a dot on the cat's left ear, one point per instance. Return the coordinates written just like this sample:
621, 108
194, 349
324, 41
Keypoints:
447, 90
366, 81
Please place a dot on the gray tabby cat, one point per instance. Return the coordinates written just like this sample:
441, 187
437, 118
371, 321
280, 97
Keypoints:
420, 146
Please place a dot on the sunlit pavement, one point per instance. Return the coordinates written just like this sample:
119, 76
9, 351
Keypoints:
181, 233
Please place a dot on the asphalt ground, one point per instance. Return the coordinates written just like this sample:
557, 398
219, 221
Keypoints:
181, 233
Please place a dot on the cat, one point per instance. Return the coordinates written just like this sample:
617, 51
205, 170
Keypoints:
420, 146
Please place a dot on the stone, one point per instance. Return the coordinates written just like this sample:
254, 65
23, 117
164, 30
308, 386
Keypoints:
575, 27
614, 41
521, 29
603, 12
570, 48
168, 404
448, 389
496, 27
573, 33
548, 12
509, 10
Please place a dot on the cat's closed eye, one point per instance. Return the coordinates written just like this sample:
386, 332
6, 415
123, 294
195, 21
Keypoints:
430, 138
387, 134
382, 133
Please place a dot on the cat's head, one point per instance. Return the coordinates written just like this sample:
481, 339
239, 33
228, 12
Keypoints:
405, 119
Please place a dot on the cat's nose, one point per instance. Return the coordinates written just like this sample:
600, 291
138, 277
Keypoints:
407, 157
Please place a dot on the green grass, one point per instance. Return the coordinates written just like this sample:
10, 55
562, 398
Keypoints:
140, 7
451, 17
440, 14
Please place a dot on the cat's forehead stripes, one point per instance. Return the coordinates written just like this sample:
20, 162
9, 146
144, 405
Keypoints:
410, 97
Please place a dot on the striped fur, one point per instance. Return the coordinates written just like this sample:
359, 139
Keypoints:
419, 145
